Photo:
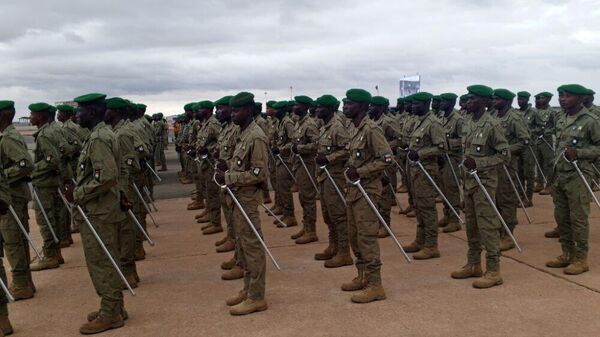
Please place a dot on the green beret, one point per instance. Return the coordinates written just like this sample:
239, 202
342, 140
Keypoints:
116, 103
422, 96
141, 107
358, 95
523, 94
591, 92
280, 105
291, 103
464, 97
408, 99
504, 94
223, 100
380, 100
159, 115
4, 105
65, 108
400, 100
303, 99
205, 105
544, 94
258, 105
188, 107
39, 107
436, 98
270, 104
327, 100
575, 89
90, 98
480, 90
194, 107
148, 118
448, 96
241, 99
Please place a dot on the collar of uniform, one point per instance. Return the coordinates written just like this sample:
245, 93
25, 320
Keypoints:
99, 126
119, 124
578, 115
303, 119
331, 121
425, 116
363, 122
9, 128
486, 115
247, 130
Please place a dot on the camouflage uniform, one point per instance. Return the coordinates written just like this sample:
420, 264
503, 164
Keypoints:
207, 139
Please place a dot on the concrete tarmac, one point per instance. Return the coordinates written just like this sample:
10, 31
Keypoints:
181, 293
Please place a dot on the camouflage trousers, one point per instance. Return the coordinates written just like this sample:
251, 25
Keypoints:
213, 204
571, 212
284, 190
363, 227
424, 196
307, 195
388, 195
450, 188
16, 247
545, 156
506, 199
334, 211
52, 206
527, 173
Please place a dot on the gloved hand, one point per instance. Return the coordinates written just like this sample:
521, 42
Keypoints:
440, 161
321, 160
68, 192
220, 177
275, 151
222, 165
413, 155
469, 163
295, 148
571, 154
125, 203
202, 151
352, 173
3, 207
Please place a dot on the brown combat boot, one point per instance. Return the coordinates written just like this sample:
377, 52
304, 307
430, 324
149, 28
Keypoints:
205, 226
408, 209
186, 180
228, 246
579, 266
195, 205
21, 292
131, 279
234, 274
203, 219
546, 191
61, 259
328, 253
413, 247
538, 188
468, 270
140, 253
402, 189
276, 210
427, 253
248, 306
562, 261
297, 235
222, 241
237, 298
443, 221
5, 325
382, 233
506, 244
201, 214
552, 233
64, 243
438, 200
488, 280
290, 221
453, 226
341, 259
102, 323
412, 213
213, 230
228, 265
357, 283
267, 198
50, 262
307, 237
94, 314
372, 292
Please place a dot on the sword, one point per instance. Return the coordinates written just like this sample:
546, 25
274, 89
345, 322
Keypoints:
112, 260
460, 190
337, 189
522, 188
283, 224
24, 231
154, 172
537, 163
398, 166
439, 191
150, 200
237, 203
546, 142
6, 291
574, 162
393, 191
370, 202
139, 194
64, 200
308, 173
516, 193
140, 227
493, 204
41, 207
286, 167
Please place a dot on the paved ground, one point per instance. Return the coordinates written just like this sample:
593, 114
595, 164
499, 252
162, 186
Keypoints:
181, 293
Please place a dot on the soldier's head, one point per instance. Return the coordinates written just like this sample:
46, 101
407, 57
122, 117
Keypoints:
542, 100
523, 99
141, 110
463, 101
92, 108
204, 110
357, 103
502, 99
588, 100
223, 113
301, 105
65, 112
448, 101
257, 109
242, 108
41, 113
326, 107
572, 96
379, 105
312, 109
280, 109
116, 110
408, 104
7, 112
435, 103
421, 102
270, 110
400, 105
479, 97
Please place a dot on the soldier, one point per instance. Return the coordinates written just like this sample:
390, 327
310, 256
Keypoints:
485, 148
264, 125
426, 143
185, 136
452, 123
526, 161
282, 149
435, 105
17, 167
246, 175
199, 196
97, 192
5, 326
402, 117
332, 154
48, 174
304, 145
405, 133
273, 125
160, 139
517, 136
370, 154
462, 102
117, 118
544, 131
377, 112
578, 135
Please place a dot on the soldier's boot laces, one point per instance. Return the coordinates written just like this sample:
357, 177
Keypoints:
562, 261
488, 280
228, 246
468, 270
453, 226
357, 283
579, 266
372, 292
413, 247
237, 298
102, 323
328, 253
234, 274
427, 253
249, 306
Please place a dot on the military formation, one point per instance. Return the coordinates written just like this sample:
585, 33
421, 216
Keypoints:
92, 172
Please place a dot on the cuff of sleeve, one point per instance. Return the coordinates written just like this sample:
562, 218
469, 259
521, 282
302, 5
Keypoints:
229, 179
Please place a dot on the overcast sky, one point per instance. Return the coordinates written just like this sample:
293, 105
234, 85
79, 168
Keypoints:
168, 53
